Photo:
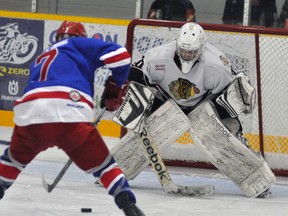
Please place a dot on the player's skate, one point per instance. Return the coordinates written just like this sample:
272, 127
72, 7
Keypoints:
128, 206
1, 192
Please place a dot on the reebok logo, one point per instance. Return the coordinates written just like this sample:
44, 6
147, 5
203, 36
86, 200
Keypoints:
153, 156
219, 126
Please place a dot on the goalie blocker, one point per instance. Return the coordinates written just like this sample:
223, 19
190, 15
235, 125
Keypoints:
245, 168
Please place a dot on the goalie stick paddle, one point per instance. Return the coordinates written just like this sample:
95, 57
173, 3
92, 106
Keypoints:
50, 187
163, 175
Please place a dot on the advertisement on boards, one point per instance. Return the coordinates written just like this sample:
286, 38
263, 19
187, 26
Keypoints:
21, 41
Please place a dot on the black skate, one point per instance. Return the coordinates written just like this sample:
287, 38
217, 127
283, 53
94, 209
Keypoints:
265, 194
129, 208
1, 192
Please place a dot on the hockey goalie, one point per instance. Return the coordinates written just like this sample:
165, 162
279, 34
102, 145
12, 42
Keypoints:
196, 89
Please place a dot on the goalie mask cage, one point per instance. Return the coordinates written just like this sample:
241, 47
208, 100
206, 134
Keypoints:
262, 54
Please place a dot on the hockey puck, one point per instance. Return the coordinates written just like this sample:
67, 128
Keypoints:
86, 209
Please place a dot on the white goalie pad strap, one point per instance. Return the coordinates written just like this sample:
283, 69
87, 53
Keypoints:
261, 178
240, 97
166, 124
227, 153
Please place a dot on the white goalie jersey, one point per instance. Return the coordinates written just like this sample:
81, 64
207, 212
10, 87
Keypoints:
199, 79
211, 72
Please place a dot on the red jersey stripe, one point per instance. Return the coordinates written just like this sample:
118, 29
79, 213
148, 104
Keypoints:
117, 58
55, 95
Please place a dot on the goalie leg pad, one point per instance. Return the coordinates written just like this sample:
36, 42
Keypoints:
243, 166
166, 124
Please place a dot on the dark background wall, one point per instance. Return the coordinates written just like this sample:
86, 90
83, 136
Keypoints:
209, 11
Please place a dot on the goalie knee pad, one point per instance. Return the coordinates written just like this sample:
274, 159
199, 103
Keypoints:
232, 124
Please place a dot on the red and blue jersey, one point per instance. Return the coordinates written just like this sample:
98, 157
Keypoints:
62, 80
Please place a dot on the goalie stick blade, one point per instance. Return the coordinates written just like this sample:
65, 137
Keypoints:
46, 186
191, 191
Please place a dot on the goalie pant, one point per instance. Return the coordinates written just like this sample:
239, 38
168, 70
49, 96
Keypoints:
83, 139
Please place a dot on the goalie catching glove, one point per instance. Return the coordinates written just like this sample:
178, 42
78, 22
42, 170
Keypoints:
239, 97
113, 94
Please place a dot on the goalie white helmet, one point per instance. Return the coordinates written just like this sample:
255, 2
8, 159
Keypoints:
190, 43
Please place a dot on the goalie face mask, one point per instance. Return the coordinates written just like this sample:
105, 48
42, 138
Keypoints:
190, 43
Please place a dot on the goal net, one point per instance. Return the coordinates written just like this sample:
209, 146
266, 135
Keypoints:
261, 53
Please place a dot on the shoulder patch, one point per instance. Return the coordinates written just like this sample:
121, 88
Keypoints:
225, 60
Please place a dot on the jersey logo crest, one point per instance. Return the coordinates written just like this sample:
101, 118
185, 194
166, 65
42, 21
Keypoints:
183, 89
74, 96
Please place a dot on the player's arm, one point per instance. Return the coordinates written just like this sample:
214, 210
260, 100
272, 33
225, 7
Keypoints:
118, 61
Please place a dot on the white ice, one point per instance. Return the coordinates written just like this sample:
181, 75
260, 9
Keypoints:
77, 190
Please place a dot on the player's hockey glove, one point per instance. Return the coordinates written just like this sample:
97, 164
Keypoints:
113, 94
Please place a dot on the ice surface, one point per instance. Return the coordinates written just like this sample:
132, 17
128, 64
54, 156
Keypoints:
77, 190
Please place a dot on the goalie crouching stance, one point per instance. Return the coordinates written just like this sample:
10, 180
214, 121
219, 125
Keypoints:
200, 80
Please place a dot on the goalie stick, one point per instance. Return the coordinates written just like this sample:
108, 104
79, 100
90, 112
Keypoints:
50, 187
136, 105
163, 176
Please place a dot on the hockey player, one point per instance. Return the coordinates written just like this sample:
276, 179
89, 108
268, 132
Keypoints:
191, 71
57, 110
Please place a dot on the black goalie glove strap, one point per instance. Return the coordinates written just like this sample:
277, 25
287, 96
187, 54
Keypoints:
239, 97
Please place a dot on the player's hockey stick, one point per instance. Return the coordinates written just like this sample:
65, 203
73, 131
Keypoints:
50, 187
132, 115
4, 142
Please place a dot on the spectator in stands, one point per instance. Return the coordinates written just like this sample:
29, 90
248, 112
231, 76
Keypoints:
283, 18
263, 13
179, 10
